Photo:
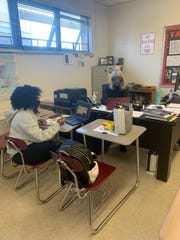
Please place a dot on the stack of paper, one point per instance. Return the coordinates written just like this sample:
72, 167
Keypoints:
160, 114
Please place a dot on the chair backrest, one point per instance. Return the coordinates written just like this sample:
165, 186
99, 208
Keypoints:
73, 170
104, 93
18, 145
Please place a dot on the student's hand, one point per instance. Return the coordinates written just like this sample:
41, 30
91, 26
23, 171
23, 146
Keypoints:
61, 120
42, 122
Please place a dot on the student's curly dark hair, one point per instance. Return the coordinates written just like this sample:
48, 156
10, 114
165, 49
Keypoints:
26, 97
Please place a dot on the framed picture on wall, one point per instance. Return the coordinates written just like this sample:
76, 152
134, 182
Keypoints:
102, 61
110, 60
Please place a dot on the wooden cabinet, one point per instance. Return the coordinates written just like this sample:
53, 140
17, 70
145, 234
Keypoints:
143, 95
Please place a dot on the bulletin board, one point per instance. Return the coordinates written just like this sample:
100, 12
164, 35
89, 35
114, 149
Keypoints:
171, 56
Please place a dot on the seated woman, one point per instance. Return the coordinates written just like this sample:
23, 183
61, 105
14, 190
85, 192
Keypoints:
24, 125
116, 87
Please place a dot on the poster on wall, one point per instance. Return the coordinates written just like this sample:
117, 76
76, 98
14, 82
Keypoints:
8, 79
147, 43
171, 56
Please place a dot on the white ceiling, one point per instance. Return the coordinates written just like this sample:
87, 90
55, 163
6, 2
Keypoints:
112, 2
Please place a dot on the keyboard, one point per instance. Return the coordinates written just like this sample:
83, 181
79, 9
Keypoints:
55, 115
73, 121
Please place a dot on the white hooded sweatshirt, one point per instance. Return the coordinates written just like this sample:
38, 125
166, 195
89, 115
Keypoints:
24, 125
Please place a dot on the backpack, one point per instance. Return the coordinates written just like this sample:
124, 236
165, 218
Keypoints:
71, 150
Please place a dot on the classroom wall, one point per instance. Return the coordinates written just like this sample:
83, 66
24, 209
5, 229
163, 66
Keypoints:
116, 32
126, 24
48, 71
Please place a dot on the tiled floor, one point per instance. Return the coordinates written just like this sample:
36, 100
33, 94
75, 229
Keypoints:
140, 218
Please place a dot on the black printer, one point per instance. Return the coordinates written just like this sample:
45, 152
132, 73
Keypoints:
67, 97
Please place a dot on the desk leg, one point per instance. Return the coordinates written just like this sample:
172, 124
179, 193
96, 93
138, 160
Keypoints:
128, 194
71, 134
84, 140
137, 161
164, 165
102, 150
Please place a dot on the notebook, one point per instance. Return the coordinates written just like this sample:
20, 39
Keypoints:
113, 102
81, 113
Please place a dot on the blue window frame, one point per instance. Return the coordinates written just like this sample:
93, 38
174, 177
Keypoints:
6, 39
28, 25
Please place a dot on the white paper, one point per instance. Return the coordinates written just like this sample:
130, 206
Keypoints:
102, 130
137, 114
101, 108
174, 105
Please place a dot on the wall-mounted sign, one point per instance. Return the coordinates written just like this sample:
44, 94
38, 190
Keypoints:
171, 56
147, 43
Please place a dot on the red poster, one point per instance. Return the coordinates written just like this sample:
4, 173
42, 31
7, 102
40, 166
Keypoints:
171, 56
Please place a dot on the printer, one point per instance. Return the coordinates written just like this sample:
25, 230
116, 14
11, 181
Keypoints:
67, 97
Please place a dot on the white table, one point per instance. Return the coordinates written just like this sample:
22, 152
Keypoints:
127, 139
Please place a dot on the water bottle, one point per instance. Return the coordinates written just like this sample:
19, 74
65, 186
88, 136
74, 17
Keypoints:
158, 97
94, 98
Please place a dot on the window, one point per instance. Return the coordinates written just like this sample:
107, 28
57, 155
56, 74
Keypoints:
5, 26
38, 27
74, 32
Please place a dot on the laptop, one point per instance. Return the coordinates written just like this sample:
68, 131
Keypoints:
114, 102
81, 113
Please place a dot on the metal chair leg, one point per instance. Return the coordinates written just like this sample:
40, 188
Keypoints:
17, 186
2, 168
65, 203
37, 189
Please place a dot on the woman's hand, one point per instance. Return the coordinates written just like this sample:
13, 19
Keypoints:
42, 122
61, 120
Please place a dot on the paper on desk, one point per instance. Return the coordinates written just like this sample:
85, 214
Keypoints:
101, 108
173, 109
102, 130
174, 105
50, 121
155, 106
137, 114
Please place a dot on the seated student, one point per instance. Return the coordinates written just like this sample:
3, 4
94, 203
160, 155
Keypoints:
116, 87
24, 125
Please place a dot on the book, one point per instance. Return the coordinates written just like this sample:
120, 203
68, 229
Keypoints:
158, 113
170, 119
